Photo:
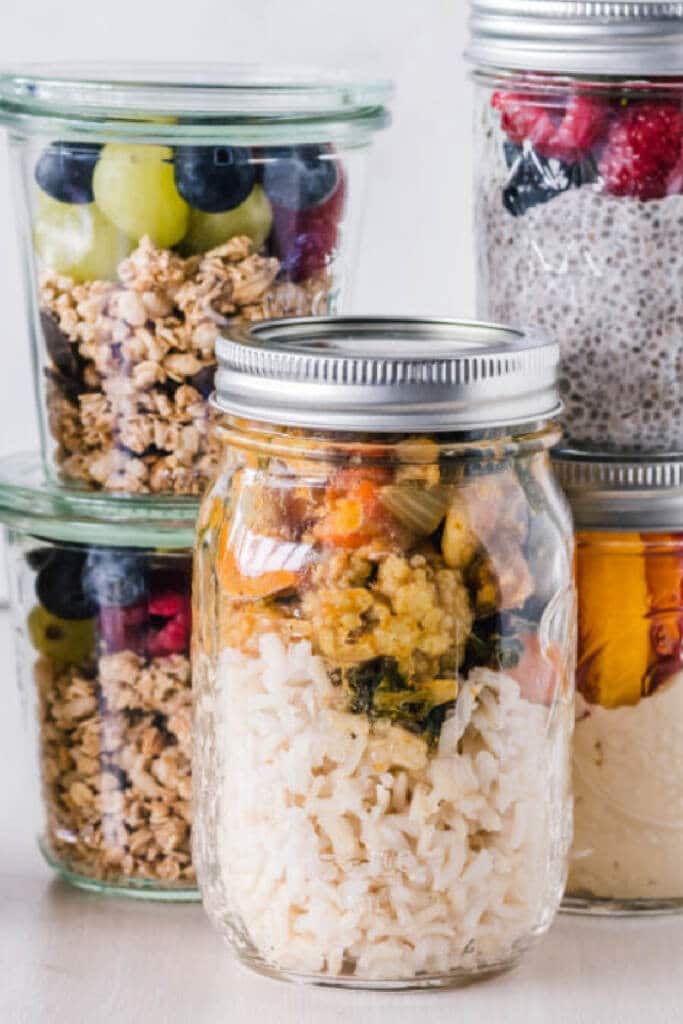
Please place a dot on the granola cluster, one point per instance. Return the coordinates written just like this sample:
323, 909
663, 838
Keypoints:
115, 740
131, 362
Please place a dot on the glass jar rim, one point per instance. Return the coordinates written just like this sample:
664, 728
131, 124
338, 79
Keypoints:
31, 503
169, 100
315, 446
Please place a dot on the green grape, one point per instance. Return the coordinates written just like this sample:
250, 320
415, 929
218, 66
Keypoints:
78, 240
253, 217
64, 642
135, 188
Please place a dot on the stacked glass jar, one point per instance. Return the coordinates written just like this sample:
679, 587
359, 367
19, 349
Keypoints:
384, 651
579, 209
155, 211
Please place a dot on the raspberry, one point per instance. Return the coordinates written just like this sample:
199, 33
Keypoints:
173, 637
522, 120
167, 604
305, 239
584, 123
567, 137
643, 150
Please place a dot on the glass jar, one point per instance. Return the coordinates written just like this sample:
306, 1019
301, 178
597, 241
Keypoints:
383, 652
100, 596
579, 203
628, 741
157, 206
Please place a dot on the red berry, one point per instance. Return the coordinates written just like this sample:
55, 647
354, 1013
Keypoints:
643, 150
167, 604
566, 136
305, 239
584, 123
173, 638
522, 120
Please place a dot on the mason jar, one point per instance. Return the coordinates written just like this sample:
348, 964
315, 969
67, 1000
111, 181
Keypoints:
579, 203
101, 605
158, 205
628, 742
383, 651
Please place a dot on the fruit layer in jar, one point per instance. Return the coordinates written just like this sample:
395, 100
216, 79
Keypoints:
628, 843
108, 634
144, 252
579, 206
382, 663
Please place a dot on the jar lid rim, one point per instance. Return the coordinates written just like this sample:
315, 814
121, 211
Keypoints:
637, 491
387, 374
227, 95
32, 503
599, 37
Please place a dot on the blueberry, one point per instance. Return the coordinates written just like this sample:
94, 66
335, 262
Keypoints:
298, 177
203, 381
114, 578
37, 558
63, 354
512, 152
534, 179
59, 586
214, 178
65, 169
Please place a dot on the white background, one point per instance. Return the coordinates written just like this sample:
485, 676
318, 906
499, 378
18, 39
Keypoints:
415, 252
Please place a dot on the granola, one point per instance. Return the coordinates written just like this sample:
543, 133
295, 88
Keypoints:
131, 363
115, 760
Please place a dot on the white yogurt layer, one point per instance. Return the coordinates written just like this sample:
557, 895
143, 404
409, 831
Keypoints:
628, 799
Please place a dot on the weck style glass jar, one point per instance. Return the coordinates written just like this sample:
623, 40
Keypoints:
579, 203
101, 606
628, 742
159, 204
383, 651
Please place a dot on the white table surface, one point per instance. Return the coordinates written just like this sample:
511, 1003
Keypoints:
67, 956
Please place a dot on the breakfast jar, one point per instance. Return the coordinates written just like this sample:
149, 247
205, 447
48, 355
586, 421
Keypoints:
579, 203
383, 651
157, 206
628, 741
101, 605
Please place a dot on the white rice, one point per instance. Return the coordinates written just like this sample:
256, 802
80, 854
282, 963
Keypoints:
351, 850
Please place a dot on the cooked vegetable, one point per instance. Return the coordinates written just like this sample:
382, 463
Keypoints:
378, 690
421, 509
459, 543
355, 514
496, 642
252, 566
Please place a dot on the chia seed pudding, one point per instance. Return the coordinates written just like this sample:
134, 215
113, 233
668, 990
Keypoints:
579, 209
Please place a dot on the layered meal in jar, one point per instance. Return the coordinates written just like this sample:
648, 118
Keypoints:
383, 708
144, 252
104, 657
628, 744
579, 200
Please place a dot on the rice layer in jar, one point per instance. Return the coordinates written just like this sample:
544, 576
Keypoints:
579, 204
101, 606
628, 742
384, 636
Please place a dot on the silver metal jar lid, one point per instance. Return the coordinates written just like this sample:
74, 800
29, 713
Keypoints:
583, 37
387, 374
610, 492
